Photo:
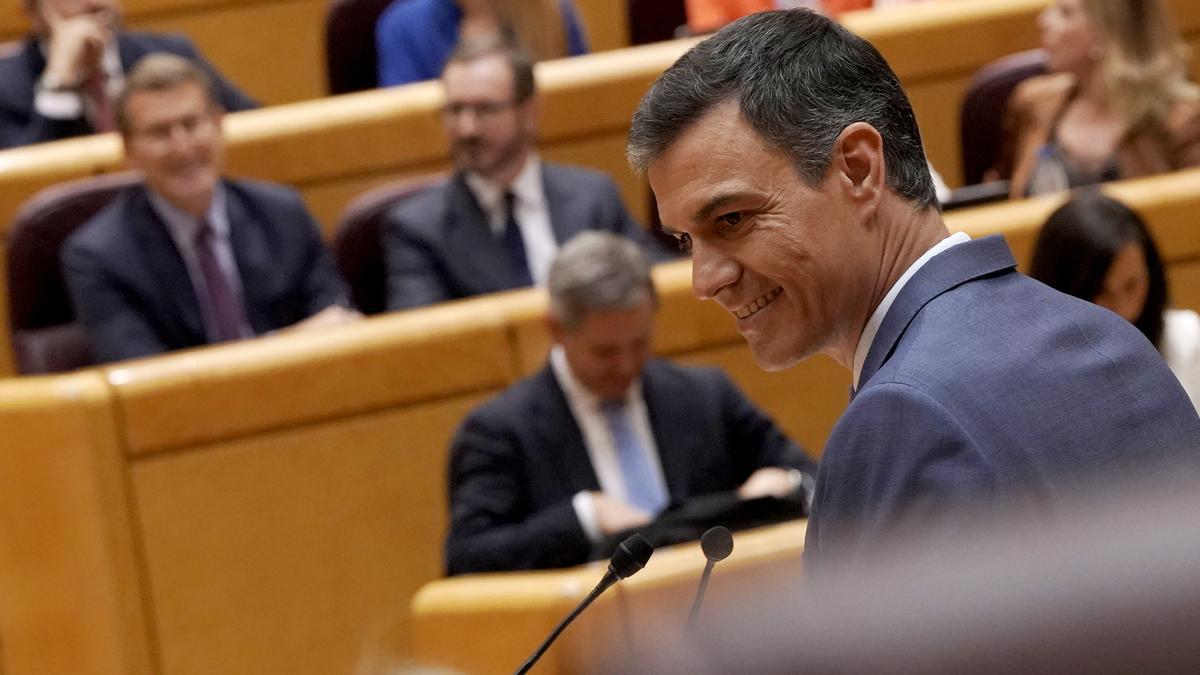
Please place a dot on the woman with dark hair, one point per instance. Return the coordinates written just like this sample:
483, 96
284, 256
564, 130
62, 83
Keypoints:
1096, 248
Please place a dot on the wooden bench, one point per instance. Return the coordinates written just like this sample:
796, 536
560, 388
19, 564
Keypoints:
274, 503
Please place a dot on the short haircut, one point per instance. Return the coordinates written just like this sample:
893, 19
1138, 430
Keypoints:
598, 272
1078, 244
800, 79
519, 60
160, 72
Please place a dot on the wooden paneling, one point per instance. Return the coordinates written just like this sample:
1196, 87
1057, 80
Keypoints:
69, 579
289, 551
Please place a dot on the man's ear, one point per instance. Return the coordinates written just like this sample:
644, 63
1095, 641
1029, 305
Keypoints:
532, 114
555, 328
859, 162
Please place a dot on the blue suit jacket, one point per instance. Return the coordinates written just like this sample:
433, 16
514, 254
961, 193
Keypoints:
131, 288
984, 388
517, 461
439, 246
20, 123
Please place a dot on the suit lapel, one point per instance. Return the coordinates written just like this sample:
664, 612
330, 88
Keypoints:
472, 250
252, 253
564, 222
965, 262
169, 280
560, 435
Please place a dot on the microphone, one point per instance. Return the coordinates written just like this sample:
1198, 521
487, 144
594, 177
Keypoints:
631, 555
717, 544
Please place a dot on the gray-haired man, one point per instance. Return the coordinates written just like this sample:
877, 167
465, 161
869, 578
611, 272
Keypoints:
604, 437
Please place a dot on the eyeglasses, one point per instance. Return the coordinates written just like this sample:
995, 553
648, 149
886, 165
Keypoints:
484, 111
191, 125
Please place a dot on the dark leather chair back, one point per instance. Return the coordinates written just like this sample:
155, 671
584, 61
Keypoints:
350, 60
45, 336
984, 106
654, 20
358, 245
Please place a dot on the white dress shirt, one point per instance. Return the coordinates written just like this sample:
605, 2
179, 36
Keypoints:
601, 448
532, 213
70, 105
182, 227
876, 320
1181, 349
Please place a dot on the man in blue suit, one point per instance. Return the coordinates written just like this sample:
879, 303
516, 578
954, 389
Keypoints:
785, 154
604, 438
63, 80
498, 222
189, 257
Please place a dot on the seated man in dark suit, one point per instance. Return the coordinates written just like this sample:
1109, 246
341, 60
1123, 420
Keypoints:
497, 224
191, 258
63, 80
603, 438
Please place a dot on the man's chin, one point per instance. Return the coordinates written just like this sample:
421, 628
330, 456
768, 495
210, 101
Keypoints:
773, 357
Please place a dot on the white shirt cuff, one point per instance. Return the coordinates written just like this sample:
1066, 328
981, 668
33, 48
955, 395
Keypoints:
585, 510
58, 105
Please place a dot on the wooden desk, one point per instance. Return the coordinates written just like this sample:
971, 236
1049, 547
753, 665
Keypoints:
489, 623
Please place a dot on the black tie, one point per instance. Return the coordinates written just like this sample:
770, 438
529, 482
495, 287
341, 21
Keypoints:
514, 245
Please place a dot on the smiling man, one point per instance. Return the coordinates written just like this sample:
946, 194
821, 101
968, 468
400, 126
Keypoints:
604, 438
189, 257
785, 155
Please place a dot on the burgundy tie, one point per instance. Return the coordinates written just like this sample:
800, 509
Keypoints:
95, 88
227, 312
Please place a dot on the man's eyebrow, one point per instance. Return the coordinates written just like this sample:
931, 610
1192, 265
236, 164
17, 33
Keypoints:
715, 203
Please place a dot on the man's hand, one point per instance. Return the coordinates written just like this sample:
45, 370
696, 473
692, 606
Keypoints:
771, 481
333, 315
614, 515
75, 45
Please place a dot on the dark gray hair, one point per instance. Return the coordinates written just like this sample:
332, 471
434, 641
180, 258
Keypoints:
518, 58
598, 272
800, 79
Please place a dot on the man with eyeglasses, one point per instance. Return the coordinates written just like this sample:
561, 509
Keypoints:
188, 257
62, 80
498, 222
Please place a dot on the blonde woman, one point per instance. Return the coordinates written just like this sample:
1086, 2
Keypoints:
414, 38
1117, 103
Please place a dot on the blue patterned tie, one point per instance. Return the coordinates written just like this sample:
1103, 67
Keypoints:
514, 245
643, 490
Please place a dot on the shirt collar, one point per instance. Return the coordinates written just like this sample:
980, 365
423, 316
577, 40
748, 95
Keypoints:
876, 320
578, 394
182, 225
527, 187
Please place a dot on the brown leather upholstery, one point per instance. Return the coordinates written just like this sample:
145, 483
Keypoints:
983, 108
654, 20
358, 246
45, 336
350, 62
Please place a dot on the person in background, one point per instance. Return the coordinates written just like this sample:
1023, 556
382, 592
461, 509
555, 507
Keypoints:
64, 78
604, 437
414, 38
189, 257
1096, 248
498, 222
1117, 103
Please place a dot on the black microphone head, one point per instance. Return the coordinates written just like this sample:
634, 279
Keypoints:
717, 543
631, 555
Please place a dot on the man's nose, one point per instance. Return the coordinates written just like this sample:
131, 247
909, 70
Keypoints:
711, 271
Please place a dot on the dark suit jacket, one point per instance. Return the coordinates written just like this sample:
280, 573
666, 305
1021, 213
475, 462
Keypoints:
131, 288
20, 123
517, 461
985, 389
439, 246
